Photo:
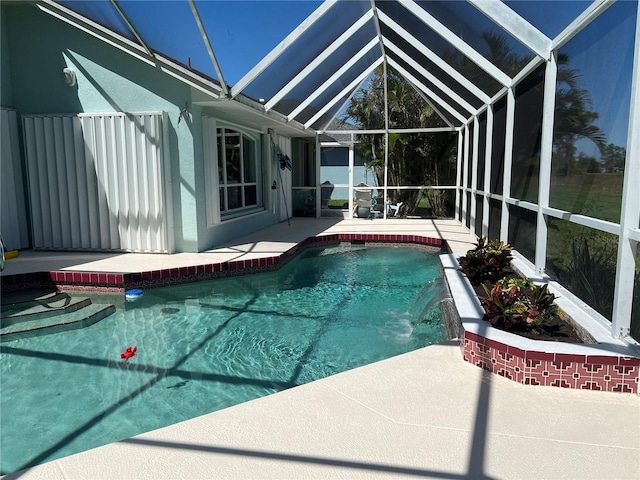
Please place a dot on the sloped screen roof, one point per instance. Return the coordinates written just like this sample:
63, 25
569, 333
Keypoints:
458, 54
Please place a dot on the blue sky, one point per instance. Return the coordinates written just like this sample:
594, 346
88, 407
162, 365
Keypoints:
249, 30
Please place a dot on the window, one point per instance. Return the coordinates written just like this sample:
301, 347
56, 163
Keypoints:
232, 171
237, 172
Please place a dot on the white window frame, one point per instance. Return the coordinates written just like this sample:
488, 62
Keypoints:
216, 213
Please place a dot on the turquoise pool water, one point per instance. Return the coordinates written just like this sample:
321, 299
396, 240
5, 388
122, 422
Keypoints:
207, 346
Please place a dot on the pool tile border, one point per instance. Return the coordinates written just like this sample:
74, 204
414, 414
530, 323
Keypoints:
596, 366
533, 367
106, 282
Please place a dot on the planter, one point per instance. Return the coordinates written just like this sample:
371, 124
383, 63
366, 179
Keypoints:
600, 363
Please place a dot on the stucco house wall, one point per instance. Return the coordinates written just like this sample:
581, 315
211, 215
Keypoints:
110, 80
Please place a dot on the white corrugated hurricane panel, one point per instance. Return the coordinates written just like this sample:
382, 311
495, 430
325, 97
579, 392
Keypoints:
13, 212
97, 181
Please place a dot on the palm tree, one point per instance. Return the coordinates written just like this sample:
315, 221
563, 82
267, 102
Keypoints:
414, 159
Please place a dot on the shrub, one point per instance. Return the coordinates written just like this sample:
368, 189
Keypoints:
518, 301
489, 261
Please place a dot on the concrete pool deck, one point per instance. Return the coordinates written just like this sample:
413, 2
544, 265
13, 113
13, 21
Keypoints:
423, 414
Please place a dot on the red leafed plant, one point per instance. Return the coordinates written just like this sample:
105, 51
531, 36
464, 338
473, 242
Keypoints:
517, 301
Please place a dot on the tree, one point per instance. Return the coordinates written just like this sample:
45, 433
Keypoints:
573, 119
414, 159
613, 158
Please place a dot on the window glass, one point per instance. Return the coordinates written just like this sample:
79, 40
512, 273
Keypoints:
239, 167
221, 169
409, 51
249, 160
479, 209
330, 93
103, 13
232, 156
482, 150
481, 33
495, 212
522, 231
467, 220
413, 25
329, 67
160, 23
497, 151
304, 175
307, 47
527, 133
304, 202
470, 157
436, 90
593, 95
420, 159
223, 201
334, 165
251, 195
584, 261
536, 12
234, 197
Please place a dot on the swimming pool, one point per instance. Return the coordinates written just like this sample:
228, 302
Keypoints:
207, 346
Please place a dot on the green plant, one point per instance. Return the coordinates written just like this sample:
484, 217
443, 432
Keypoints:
489, 261
518, 301
521, 283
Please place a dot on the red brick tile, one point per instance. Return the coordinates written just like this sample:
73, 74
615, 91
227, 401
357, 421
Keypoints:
564, 368
562, 383
621, 387
629, 361
515, 351
495, 345
593, 384
505, 357
569, 358
530, 379
549, 378
506, 373
533, 355
515, 374
474, 337
479, 362
535, 366
591, 369
625, 370
602, 359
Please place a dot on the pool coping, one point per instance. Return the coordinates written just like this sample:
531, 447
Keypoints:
610, 364
109, 282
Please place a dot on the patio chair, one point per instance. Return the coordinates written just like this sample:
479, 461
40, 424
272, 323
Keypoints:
363, 200
394, 210
325, 193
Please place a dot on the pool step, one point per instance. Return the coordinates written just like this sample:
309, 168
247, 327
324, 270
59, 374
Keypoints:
42, 312
48, 306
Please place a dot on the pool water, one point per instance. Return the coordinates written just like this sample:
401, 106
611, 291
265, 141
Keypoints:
207, 346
